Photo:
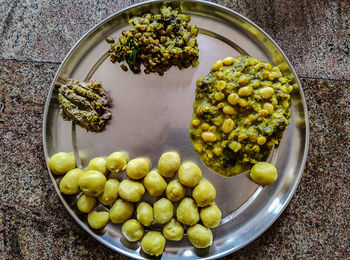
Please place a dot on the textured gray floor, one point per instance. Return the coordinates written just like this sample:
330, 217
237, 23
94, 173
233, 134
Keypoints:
35, 36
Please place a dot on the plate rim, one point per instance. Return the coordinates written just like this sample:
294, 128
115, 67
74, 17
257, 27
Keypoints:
148, 2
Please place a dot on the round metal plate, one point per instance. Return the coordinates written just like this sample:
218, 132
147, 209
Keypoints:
151, 115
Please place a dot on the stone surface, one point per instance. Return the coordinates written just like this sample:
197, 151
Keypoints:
46, 30
34, 38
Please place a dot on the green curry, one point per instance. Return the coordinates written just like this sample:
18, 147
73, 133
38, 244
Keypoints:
240, 111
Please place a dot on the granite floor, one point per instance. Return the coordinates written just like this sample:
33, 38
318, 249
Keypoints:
35, 36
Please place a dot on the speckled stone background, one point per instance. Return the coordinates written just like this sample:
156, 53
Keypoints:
36, 35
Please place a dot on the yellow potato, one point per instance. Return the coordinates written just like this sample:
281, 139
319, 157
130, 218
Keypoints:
173, 230
187, 212
98, 220
116, 162
200, 236
263, 173
62, 162
168, 164
204, 193
153, 243
211, 216
137, 168
132, 230
163, 211
131, 190
70, 182
110, 192
144, 213
92, 183
154, 183
189, 174
86, 203
121, 211
98, 164
175, 191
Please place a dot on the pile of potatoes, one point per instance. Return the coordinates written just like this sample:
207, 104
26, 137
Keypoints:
198, 214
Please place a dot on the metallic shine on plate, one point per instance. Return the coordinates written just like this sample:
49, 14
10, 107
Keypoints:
151, 115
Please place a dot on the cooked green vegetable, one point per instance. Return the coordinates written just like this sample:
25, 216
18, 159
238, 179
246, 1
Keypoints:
240, 112
158, 41
84, 103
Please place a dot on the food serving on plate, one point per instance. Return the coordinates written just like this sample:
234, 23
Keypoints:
199, 212
84, 103
158, 41
240, 111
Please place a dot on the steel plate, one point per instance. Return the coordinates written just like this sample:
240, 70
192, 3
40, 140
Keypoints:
151, 115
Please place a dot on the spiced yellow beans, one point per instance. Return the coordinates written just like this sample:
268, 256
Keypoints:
116, 162
187, 212
204, 193
92, 183
110, 192
189, 174
173, 230
211, 216
137, 168
131, 190
263, 173
163, 211
144, 214
168, 164
62, 162
200, 236
175, 191
98, 220
86, 203
154, 183
70, 182
132, 230
98, 164
121, 211
153, 243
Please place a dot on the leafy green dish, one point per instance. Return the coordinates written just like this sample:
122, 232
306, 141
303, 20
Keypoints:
158, 41
240, 111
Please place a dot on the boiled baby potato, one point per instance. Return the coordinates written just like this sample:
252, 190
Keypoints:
131, 190
211, 216
204, 193
200, 236
137, 168
168, 164
98, 220
153, 243
175, 191
121, 211
116, 162
144, 213
163, 210
187, 212
70, 182
110, 192
263, 173
173, 230
132, 230
62, 162
86, 203
98, 164
154, 183
189, 174
92, 183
